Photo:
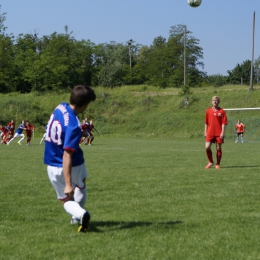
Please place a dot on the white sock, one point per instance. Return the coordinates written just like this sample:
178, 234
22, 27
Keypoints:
10, 140
21, 139
80, 196
74, 209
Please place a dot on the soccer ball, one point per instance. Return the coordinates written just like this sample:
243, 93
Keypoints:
194, 3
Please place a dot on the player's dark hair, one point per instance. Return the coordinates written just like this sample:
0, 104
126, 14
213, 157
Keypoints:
82, 95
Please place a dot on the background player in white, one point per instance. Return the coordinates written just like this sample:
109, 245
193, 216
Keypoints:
19, 133
44, 135
63, 156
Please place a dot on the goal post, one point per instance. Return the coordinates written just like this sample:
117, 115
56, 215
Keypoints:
250, 119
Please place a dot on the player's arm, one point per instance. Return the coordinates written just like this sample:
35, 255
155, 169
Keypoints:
223, 131
205, 130
67, 165
96, 130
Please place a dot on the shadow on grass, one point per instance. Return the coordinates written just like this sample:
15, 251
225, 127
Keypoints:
107, 226
241, 166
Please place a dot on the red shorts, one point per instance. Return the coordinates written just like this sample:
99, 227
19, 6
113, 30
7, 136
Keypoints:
214, 139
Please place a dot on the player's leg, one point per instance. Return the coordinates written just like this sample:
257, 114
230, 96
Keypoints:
237, 138
43, 137
82, 140
22, 137
219, 155
28, 141
79, 175
209, 155
242, 138
80, 196
12, 138
71, 207
91, 139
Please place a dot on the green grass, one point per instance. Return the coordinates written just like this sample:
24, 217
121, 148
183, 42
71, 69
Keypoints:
141, 111
149, 199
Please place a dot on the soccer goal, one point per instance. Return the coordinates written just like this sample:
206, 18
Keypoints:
250, 117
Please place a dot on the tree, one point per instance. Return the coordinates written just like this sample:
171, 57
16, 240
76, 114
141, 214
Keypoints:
7, 72
113, 57
241, 71
216, 80
162, 64
257, 69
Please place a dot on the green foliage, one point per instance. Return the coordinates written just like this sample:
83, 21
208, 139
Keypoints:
135, 110
241, 72
217, 80
185, 91
58, 61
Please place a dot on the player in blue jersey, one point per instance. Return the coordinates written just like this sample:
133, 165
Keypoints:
64, 158
19, 133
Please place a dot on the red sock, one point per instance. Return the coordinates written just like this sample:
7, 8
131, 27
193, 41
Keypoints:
209, 155
219, 155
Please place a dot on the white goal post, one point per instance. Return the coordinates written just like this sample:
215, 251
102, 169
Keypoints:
245, 108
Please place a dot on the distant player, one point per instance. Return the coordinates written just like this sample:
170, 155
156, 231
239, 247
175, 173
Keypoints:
85, 129
215, 122
19, 133
5, 134
240, 129
29, 130
64, 158
11, 124
44, 135
91, 136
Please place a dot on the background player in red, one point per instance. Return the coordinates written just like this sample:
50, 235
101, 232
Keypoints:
91, 136
29, 130
5, 134
240, 129
215, 122
11, 124
85, 129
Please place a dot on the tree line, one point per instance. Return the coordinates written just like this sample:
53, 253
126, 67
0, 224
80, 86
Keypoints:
59, 61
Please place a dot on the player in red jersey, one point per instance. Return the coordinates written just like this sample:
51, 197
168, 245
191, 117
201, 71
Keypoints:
85, 128
29, 130
240, 129
91, 136
5, 134
215, 122
11, 124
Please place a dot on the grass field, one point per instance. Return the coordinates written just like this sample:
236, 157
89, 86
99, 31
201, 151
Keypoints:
149, 199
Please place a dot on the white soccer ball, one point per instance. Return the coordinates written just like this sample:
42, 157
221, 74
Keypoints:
194, 3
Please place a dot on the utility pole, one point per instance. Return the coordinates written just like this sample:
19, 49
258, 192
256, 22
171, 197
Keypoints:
252, 61
184, 55
130, 56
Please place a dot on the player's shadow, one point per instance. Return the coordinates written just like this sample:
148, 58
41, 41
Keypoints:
240, 166
107, 226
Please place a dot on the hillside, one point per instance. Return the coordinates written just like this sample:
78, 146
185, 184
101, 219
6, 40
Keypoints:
143, 111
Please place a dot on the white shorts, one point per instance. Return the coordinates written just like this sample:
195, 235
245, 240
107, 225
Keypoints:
78, 175
16, 134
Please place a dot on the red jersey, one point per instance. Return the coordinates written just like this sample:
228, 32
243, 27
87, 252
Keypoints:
85, 127
12, 127
214, 119
29, 130
240, 128
91, 127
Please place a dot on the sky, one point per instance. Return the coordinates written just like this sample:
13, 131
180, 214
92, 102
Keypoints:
224, 28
